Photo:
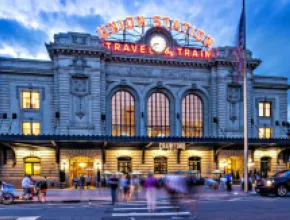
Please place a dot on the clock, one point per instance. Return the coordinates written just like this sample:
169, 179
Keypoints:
158, 43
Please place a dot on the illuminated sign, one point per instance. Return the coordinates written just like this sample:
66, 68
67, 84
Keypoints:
143, 49
130, 23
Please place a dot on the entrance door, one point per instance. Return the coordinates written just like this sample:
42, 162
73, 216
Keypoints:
81, 166
236, 167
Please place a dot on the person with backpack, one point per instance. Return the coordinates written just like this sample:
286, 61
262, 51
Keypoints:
41, 190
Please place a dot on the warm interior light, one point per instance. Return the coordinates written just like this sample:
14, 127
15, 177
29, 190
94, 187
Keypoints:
82, 164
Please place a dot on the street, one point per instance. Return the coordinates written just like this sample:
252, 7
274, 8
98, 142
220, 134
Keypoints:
236, 208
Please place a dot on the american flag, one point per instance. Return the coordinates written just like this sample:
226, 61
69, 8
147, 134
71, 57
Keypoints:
238, 51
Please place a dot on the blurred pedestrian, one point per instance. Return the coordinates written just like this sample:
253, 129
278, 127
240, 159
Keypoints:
82, 181
113, 182
88, 182
229, 180
51, 183
122, 185
150, 186
76, 182
127, 188
26, 185
98, 178
136, 186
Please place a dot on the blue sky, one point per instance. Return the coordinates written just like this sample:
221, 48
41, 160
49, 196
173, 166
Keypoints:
25, 25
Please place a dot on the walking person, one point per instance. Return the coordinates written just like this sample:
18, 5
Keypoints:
82, 181
98, 178
127, 188
76, 182
113, 182
136, 186
26, 185
229, 180
150, 186
88, 182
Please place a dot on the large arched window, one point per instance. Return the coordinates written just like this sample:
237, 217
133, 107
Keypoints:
32, 166
194, 163
123, 114
192, 116
158, 115
265, 166
160, 165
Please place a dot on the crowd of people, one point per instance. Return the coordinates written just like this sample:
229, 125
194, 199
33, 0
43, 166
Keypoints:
127, 187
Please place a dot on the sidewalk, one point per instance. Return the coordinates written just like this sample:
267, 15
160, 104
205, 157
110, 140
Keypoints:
104, 194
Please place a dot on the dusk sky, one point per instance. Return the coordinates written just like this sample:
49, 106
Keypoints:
27, 24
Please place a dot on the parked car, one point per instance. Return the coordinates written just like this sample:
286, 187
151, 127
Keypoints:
279, 184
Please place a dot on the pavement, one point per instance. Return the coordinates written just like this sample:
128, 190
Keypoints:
104, 195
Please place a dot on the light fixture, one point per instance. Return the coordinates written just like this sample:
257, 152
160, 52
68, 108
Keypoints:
82, 165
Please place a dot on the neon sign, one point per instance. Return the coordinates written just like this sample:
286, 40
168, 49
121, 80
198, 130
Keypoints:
147, 50
130, 23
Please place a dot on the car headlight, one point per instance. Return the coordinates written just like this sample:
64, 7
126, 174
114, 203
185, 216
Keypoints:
269, 183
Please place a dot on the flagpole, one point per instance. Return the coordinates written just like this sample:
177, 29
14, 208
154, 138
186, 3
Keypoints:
245, 107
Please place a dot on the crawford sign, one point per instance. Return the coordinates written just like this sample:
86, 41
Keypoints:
130, 23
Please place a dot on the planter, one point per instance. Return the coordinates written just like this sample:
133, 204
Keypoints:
62, 185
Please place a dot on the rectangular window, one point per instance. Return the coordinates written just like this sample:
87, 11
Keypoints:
32, 166
265, 109
265, 133
30, 99
30, 128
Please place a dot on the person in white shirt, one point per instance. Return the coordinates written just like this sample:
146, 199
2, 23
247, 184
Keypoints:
26, 185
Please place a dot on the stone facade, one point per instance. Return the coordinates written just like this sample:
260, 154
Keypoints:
77, 84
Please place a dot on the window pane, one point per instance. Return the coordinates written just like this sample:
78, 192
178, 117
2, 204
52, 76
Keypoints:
26, 129
25, 99
192, 116
35, 100
268, 109
158, 115
28, 168
32, 159
268, 133
36, 168
261, 112
35, 128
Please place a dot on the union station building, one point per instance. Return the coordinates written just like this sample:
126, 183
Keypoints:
155, 103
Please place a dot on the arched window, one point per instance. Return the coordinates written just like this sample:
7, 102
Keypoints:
194, 163
160, 165
158, 115
32, 166
265, 166
123, 114
192, 116
124, 164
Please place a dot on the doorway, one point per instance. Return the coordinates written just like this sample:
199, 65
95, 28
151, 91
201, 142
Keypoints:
236, 167
81, 166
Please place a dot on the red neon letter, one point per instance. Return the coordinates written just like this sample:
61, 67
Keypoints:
126, 48
108, 45
167, 21
179, 50
199, 35
156, 21
103, 32
192, 31
143, 49
168, 52
201, 54
113, 27
208, 41
150, 50
134, 47
176, 25
186, 52
121, 24
208, 54
141, 21
185, 27
194, 54
130, 23
117, 46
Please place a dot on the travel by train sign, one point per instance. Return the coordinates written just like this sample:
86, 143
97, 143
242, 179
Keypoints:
120, 47
127, 36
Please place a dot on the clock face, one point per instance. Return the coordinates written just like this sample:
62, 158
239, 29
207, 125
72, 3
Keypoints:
158, 43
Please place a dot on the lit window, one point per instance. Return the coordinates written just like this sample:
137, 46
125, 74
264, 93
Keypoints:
123, 114
265, 133
125, 165
160, 165
31, 128
265, 109
32, 166
194, 163
158, 115
192, 116
30, 99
